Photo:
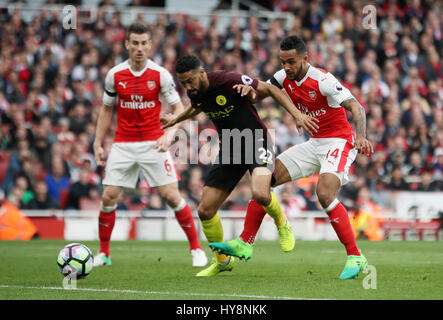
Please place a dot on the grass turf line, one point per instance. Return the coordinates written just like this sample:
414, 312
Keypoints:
162, 270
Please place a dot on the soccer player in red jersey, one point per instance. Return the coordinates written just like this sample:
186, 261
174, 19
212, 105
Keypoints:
135, 88
329, 152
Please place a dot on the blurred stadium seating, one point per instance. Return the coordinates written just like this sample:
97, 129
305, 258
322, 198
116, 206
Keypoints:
51, 82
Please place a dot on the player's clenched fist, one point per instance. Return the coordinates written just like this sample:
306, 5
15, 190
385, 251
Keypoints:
364, 146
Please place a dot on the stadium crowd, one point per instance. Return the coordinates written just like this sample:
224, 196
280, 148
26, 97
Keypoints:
51, 88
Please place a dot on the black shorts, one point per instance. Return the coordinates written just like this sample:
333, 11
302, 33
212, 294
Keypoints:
230, 167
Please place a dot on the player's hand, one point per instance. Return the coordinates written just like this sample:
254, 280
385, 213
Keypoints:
308, 123
99, 154
165, 141
168, 120
363, 146
245, 90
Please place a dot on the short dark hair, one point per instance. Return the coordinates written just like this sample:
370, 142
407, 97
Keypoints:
293, 42
187, 63
137, 28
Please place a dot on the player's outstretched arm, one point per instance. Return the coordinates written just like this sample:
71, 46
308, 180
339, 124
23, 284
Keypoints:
362, 144
103, 122
170, 121
302, 120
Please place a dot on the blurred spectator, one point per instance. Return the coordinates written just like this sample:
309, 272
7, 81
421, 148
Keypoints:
92, 201
42, 200
416, 164
397, 180
427, 184
243, 195
380, 195
78, 119
57, 181
24, 185
79, 189
366, 217
291, 203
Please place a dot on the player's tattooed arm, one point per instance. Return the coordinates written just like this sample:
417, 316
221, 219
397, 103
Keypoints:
358, 115
359, 118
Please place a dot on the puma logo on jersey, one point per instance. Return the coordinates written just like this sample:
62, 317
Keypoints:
123, 84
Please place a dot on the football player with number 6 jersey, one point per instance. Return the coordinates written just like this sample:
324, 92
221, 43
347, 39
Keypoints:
135, 88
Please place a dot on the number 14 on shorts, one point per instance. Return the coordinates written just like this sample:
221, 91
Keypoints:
332, 155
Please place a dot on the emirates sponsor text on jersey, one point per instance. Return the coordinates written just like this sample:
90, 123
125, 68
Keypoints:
136, 103
314, 113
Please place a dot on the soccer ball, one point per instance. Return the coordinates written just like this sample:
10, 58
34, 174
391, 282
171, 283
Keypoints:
75, 260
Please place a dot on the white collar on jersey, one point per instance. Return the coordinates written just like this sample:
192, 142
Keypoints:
140, 72
299, 83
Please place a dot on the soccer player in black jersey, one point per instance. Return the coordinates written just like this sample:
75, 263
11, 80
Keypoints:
245, 145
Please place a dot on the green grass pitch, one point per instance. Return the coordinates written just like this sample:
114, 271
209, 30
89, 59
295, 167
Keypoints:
163, 271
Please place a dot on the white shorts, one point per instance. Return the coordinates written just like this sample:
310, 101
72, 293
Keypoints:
320, 155
127, 160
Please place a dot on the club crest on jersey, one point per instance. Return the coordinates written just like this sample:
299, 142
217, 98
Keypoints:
151, 85
221, 100
312, 94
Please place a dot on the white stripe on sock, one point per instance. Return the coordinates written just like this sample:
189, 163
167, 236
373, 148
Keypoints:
332, 205
107, 209
180, 206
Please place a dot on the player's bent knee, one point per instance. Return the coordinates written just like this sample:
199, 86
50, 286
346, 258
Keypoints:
262, 198
325, 197
110, 195
205, 213
172, 199
109, 200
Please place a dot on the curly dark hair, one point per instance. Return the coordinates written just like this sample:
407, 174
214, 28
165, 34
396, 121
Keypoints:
187, 63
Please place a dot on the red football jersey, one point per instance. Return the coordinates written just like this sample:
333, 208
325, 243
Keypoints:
137, 96
319, 94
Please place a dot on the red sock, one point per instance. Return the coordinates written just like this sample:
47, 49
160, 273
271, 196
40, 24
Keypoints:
106, 223
338, 216
254, 217
186, 221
